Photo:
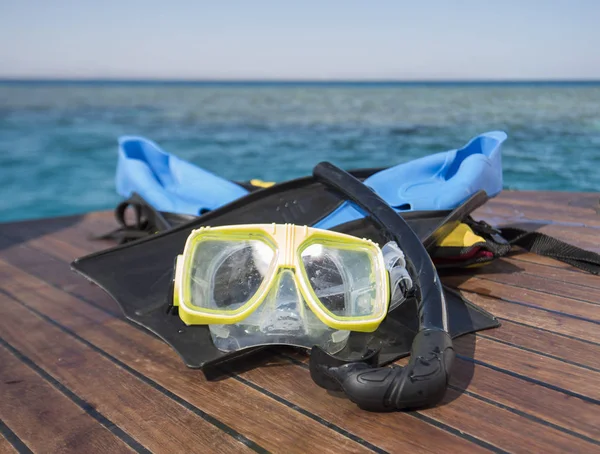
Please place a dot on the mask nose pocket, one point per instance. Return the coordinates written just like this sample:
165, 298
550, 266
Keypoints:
283, 309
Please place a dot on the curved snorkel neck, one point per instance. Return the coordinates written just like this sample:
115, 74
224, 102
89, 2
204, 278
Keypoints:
423, 381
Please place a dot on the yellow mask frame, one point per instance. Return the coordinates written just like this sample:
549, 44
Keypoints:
288, 241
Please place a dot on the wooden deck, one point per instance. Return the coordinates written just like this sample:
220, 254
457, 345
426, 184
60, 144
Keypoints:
76, 377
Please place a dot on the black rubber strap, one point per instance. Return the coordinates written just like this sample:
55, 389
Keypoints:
542, 244
146, 221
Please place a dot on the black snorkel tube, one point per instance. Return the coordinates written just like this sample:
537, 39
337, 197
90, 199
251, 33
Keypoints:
423, 381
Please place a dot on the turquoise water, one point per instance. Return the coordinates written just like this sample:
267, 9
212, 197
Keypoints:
58, 140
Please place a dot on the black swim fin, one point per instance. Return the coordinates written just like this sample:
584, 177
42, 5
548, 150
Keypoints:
138, 275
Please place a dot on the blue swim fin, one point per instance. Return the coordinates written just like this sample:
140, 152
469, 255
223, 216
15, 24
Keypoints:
441, 181
168, 183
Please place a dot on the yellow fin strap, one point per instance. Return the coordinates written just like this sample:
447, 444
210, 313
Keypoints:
462, 236
261, 184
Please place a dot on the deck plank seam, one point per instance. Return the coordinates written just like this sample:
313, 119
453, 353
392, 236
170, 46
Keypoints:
80, 402
531, 380
531, 306
459, 433
496, 281
308, 414
209, 418
568, 336
528, 416
553, 279
14, 440
537, 352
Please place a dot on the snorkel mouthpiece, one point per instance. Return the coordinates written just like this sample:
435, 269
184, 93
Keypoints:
421, 383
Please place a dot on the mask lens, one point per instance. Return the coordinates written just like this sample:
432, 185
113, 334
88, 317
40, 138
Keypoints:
225, 275
343, 279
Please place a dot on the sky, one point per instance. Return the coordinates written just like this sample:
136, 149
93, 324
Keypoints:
300, 39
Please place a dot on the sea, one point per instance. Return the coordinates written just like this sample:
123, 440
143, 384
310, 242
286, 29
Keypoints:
58, 139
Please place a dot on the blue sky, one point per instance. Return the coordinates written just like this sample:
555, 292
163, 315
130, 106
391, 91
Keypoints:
256, 39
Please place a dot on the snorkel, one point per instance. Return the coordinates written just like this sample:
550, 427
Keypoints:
423, 381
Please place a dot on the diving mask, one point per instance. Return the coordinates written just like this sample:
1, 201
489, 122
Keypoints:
285, 284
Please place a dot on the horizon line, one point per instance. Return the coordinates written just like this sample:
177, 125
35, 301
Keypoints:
150, 80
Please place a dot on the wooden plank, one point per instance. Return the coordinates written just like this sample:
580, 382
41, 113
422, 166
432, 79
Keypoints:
577, 415
44, 418
505, 273
47, 269
456, 411
556, 345
35, 227
152, 419
512, 403
530, 209
5, 446
152, 357
293, 383
588, 203
54, 247
571, 378
504, 429
564, 202
532, 298
309, 390
30, 259
531, 316
65, 238
522, 256
559, 197
565, 273
582, 237
273, 426
565, 228
53, 271
530, 400
547, 286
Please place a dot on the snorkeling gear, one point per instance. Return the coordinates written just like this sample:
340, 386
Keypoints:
435, 182
363, 290
424, 380
139, 274
167, 182
264, 284
440, 181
